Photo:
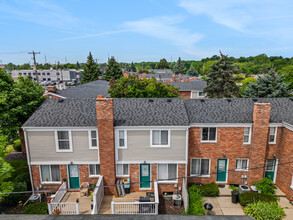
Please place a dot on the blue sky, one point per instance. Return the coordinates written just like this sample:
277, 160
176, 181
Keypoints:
144, 30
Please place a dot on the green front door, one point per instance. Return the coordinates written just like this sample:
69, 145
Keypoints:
145, 176
270, 169
73, 174
222, 170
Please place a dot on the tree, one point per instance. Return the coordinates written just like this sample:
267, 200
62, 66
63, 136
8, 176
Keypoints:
220, 81
91, 71
245, 83
192, 71
132, 68
77, 65
133, 87
18, 101
113, 71
271, 85
5, 173
287, 72
179, 67
163, 64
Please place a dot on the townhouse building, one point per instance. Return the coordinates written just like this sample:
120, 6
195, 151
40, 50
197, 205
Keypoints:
227, 141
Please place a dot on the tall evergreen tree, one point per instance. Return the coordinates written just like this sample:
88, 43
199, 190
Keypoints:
192, 71
271, 85
132, 67
179, 67
77, 65
163, 64
220, 81
91, 70
113, 70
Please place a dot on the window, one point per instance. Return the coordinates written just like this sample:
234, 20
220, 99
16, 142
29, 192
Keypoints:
122, 143
201, 94
44, 79
48, 74
246, 137
19, 74
160, 138
49, 79
57, 74
209, 134
29, 74
270, 165
64, 141
242, 164
272, 136
94, 170
200, 167
50, 173
43, 74
34, 73
122, 170
39, 74
93, 139
167, 172
24, 74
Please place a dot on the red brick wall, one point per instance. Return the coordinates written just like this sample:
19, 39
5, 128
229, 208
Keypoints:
134, 177
259, 141
51, 96
185, 94
285, 166
84, 175
105, 117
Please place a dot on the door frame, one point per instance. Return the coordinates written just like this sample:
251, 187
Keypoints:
150, 176
68, 176
227, 170
275, 170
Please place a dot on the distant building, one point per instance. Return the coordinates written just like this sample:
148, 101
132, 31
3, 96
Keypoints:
192, 89
67, 75
2, 66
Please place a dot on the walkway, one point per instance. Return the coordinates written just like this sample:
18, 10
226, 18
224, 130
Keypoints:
224, 206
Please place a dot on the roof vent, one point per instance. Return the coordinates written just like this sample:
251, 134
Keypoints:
169, 100
255, 100
60, 100
229, 100
202, 100
151, 100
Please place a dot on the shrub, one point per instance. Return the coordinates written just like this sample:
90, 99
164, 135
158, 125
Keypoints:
234, 188
13, 199
17, 145
253, 197
265, 210
266, 186
209, 190
195, 201
36, 208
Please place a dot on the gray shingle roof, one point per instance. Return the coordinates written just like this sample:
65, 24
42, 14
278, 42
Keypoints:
196, 84
142, 112
88, 90
164, 76
69, 113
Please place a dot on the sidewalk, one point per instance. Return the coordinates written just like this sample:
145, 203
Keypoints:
224, 206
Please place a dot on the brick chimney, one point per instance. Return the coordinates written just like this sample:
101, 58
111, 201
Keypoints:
144, 75
259, 141
51, 88
105, 117
173, 77
179, 78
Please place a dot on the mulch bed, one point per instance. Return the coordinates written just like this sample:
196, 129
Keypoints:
15, 156
166, 207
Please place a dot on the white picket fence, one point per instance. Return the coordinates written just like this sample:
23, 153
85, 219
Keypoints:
138, 208
98, 195
185, 195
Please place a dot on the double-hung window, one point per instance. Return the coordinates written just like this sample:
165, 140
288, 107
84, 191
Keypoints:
241, 164
272, 136
63, 139
93, 139
122, 170
50, 173
208, 134
160, 138
122, 142
247, 135
94, 170
200, 167
167, 172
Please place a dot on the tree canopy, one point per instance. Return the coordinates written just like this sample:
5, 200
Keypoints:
162, 64
132, 67
133, 87
91, 71
192, 71
220, 81
113, 70
179, 67
271, 85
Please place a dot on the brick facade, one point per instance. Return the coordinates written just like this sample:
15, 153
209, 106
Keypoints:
185, 94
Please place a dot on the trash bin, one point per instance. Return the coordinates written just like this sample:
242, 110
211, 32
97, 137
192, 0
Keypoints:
235, 195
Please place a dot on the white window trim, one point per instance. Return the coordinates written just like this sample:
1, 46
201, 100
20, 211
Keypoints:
94, 175
125, 139
167, 181
90, 140
49, 182
160, 146
195, 175
208, 141
249, 137
275, 135
57, 142
122, 170
241, 164
274, 167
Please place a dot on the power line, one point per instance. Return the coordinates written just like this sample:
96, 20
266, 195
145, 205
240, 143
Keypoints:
35, 63
254, 167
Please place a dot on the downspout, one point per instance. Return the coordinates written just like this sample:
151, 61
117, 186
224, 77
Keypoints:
28, 159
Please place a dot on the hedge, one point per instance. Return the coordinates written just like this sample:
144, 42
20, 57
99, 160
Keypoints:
14, 198
209, 190
265, 210
253, 197
36, 208
195, 202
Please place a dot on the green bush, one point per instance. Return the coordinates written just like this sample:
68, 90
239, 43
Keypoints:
19, 166
265, 210
234, 188
13, 199
209, 190
36, 208
17, 145
266, 186
253, 197
195, 202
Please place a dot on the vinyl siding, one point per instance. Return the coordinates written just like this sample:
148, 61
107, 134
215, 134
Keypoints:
138, 147
42, 147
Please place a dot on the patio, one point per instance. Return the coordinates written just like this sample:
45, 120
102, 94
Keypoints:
84, 201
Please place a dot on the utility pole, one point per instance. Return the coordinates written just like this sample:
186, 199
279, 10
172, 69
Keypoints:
35, 63
45, 59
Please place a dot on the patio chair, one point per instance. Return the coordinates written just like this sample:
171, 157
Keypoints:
84, 189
